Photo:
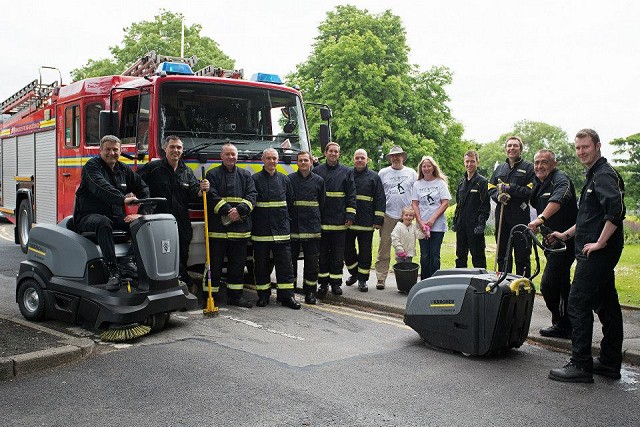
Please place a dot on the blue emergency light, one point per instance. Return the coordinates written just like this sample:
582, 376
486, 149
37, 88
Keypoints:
173, 68
266, 78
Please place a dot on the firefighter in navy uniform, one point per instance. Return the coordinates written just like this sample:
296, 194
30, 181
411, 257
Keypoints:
599, 239
339, 213
471, 214
510, 187
306, 225
271, 232
106, 187
172, 179
231, 198
371, 204
554, 199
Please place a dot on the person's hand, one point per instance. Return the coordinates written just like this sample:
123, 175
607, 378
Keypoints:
478, 230
204, 185
533, 225
503, 188
131, 217
592, 247
504, 198
377, 226
401, 254
426, 228
234, 215
348, 223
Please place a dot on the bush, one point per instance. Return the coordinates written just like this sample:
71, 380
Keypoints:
631, 227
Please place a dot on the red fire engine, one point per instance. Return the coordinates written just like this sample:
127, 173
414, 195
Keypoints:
52, 130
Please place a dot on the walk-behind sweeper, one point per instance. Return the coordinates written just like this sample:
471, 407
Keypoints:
472, 310
64, 278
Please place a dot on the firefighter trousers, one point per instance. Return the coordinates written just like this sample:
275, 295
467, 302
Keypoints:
311, 252
103, 227
281, 251
467, 241
236, 253
594, 289
556, 282
331, 257
520, 247
358, 260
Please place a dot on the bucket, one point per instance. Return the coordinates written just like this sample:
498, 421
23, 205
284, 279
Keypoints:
406, 275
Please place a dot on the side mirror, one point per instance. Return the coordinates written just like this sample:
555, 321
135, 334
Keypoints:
109, 124
325, 136
325, 113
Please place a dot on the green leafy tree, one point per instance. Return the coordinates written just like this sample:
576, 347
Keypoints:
535, 136
162, 35
628, 153
359, 66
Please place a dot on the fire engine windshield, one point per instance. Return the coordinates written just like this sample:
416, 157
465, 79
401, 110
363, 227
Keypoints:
205, 116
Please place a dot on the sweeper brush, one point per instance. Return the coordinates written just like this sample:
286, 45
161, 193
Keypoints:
121, 333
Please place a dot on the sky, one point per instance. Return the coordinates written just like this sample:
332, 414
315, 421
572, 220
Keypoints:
569, 63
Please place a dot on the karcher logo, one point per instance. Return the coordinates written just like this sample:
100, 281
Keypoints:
443, 303
166, 246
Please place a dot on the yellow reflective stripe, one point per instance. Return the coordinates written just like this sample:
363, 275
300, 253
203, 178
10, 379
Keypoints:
306, 203
335, 194
365, 198
233, 199
230, 235
248, 203
323, 274
310, 282
214, 289
334, 227
263, 287
277, 238
278, 204
530, 185
363, 271
351, 210
335, 276
306, 236
360, 228
220, 204
234, 286
285, 286
491, 186
354, 265
379, 213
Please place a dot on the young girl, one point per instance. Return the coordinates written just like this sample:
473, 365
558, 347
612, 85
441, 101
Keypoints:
430, 197
403, 236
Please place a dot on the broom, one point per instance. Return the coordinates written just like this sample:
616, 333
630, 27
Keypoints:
210, 310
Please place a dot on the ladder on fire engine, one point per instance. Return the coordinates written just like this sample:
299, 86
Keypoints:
32, 95
146, 65
212, 71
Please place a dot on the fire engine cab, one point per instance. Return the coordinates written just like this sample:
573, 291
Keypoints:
49, 131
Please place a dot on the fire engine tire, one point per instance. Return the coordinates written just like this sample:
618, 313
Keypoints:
23, 224
31, 300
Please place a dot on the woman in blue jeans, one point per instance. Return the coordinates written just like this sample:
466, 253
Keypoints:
430, 197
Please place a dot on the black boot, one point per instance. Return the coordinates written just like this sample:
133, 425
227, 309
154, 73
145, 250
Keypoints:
351, 280
322, 290
114, 281
310, 297
239, 302
362, 286
336, 289
128, 268
290, 301
571, 373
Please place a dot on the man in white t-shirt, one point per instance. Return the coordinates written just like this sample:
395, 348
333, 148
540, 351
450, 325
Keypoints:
397, 181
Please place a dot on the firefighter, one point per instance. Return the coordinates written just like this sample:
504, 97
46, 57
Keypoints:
271, 232
510, 187
471, 214
106, 187
554, 199
231, 198
309, 192
172, 179
370, 207
338, 214
599, 240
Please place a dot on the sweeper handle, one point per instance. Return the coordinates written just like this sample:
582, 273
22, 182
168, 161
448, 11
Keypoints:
210, 309
525, 232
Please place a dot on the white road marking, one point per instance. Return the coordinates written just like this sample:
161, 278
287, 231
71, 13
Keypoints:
259, 326
6, 233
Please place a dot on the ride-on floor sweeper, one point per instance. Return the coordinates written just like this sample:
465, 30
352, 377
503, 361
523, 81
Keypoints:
64, 278
472, 310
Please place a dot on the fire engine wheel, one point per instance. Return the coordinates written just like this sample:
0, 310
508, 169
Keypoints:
23, 224
31, 300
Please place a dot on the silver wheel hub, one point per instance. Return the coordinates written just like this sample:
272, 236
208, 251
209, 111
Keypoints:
31, 300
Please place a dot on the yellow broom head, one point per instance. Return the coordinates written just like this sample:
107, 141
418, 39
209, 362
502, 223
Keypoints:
120, 333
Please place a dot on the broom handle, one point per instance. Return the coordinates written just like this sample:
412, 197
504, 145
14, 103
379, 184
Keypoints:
206, 238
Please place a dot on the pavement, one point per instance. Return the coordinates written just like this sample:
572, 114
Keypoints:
28, 347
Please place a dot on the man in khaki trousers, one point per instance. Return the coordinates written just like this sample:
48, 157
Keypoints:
397, 181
